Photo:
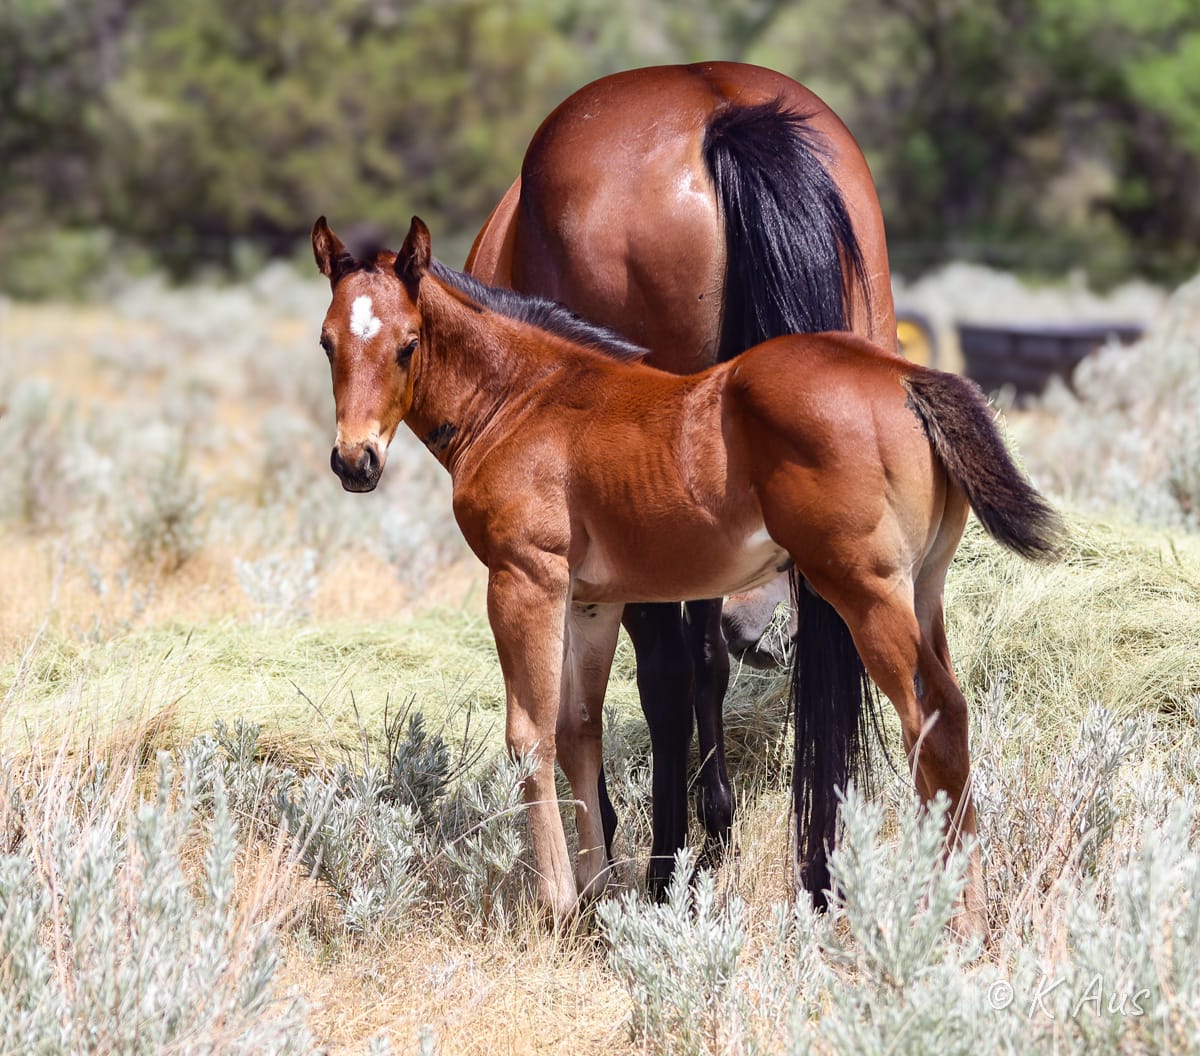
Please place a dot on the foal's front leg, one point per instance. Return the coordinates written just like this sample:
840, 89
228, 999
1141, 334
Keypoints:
591, 641
527, 601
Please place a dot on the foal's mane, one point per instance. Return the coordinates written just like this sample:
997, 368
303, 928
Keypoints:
541, 312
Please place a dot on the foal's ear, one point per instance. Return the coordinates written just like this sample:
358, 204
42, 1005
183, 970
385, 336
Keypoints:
332, 259
413, 259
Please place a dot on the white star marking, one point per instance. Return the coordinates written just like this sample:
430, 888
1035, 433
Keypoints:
364, 322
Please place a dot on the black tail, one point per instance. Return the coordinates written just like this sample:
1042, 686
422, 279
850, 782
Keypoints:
792, 258
837, 714
792, 265
961, 427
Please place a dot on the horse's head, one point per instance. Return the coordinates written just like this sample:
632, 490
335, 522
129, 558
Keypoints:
371, 333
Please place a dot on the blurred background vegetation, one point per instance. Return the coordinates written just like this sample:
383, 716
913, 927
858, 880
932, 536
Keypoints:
1039, 135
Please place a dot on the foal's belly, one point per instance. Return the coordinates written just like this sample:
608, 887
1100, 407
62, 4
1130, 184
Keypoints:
682, 567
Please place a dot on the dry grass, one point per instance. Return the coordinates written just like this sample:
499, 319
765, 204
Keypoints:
1114, 623
531, 991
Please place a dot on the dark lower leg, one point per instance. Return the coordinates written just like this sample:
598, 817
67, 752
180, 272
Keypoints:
710, 662
608, 817
664, 678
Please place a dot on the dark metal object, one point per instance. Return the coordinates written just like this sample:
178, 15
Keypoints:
1027, 355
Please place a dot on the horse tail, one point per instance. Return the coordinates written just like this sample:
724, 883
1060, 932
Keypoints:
792, 264
962, 429
835, 708
792, 259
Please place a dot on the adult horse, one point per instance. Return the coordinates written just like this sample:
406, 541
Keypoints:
697, 210
585, 479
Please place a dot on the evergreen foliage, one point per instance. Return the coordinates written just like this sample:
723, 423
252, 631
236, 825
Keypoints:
1041, 133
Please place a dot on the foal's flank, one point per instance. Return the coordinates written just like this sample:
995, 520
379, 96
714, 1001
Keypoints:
585, 479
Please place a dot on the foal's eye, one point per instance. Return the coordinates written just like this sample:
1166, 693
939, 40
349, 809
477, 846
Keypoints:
327, 345
404, 352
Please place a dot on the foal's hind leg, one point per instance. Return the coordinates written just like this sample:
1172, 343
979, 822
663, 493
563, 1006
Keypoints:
939, 749
664, 679
710, 661
590, 642
901, 654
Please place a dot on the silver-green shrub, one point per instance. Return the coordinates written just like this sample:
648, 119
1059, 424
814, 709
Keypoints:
481, 836
42, 456
1125, 436
1095, 945
280, 586
164, 508
363, 846
419, 769
899, 983
1131, 981
110, 943
679, 961
411, 830
1045, 817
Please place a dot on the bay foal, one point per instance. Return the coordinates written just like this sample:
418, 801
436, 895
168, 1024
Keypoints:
585, 479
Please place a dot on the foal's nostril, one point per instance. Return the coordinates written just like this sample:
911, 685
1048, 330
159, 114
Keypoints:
336, 463
370, 461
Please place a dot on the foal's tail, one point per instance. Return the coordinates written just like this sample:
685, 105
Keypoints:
836, 714
962, 430
791, 256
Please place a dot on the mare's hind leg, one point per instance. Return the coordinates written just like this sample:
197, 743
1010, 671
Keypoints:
608, 815
901, 654
710, 660
664, 678
589, 644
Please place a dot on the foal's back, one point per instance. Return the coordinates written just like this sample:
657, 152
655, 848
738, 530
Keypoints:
666, 470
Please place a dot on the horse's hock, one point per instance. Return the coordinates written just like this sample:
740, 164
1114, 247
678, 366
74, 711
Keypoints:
1026, 356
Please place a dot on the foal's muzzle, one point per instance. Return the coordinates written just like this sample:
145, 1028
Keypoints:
358, 467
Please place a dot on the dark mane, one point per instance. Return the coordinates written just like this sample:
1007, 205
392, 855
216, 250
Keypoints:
543, 313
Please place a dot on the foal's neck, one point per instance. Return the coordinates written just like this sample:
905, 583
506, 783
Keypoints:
473, 362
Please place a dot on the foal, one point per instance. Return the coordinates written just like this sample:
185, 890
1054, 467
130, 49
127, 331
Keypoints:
585, 479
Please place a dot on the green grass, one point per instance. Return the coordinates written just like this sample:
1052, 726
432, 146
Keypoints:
316, 690
1116, 622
